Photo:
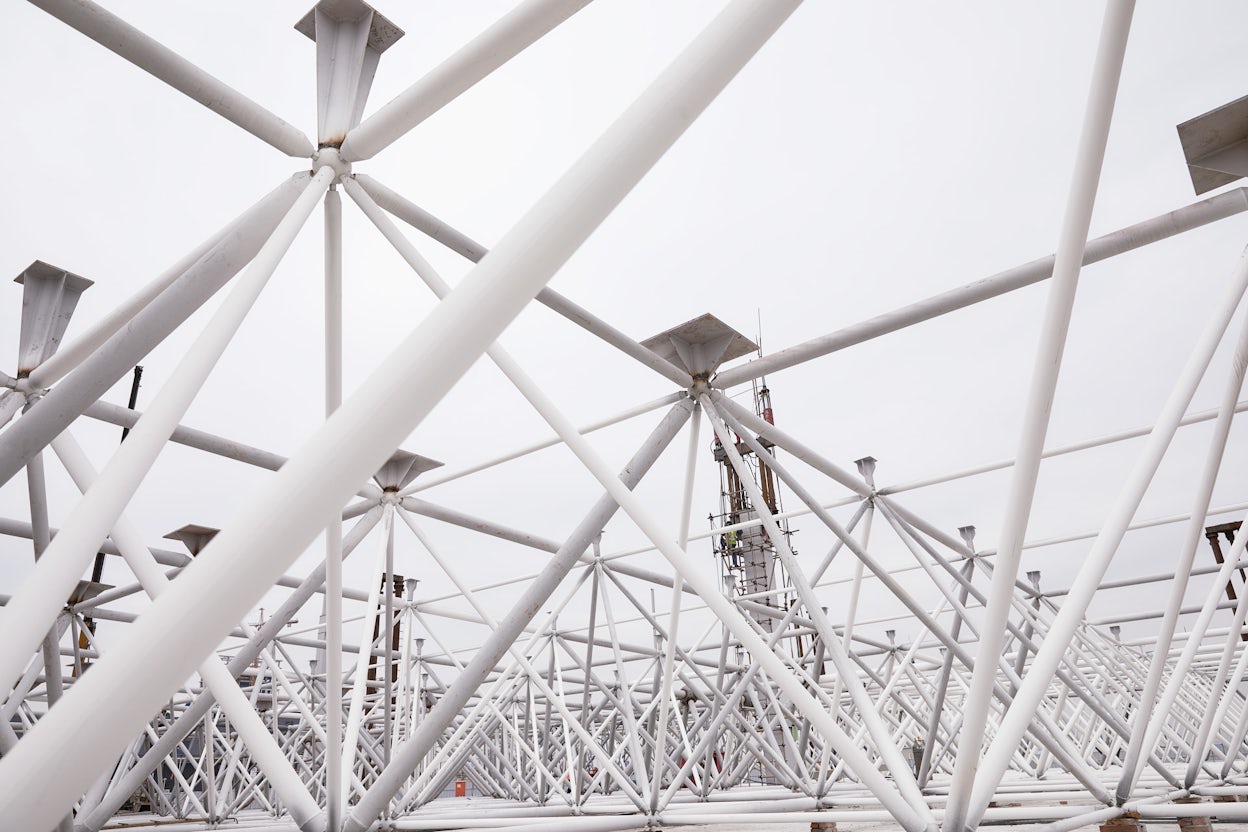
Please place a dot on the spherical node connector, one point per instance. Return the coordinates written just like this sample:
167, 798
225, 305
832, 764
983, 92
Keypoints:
331, 158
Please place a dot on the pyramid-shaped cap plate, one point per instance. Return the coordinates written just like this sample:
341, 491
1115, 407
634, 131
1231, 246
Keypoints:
1215, 145
193, 537
49, 297
402, 468
700, 345
42, 270
86, 590
382, 34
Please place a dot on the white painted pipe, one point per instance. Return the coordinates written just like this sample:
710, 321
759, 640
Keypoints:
903, 777
837, 473
165, 557
1162, 711
1200, 416
1221, 696
409, 755
1066, 266
228, 576
711, 595
570, 824
405, 210
149, 326
1059, 450
43, 593
36, 489
246, 654
420, 219
1106, 545
57, 365
210, 443
261, 745
440, 288
765, 429
673, 619
1237, 812
118, 36
501, 358
503, 40
851, 609
646, 407
334, 786
355, 714
1184, 219
11, 401
1237, 739
1187, 556
542, 684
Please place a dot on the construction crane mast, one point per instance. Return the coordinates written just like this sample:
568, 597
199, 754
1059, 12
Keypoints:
745, 551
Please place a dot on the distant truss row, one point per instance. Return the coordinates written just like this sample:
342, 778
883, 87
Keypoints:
1013, 705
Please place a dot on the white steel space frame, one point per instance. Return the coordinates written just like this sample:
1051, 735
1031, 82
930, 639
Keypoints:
1043, 716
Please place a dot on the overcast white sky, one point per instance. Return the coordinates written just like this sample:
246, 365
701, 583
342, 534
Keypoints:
872, 154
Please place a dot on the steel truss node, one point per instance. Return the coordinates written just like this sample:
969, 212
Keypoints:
470, 667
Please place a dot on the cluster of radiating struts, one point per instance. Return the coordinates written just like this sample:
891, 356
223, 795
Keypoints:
1008, 703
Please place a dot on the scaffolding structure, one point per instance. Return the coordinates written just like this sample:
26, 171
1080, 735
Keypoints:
139, 680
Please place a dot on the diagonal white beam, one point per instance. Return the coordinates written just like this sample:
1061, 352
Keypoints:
332, 604
243, 560
673, 619
1068, 260
118, 36
412, 214
908, 816
210, 443
217, 678
1132, 237
654, 404
112, 348
867, 709
247, 653
43, 593
355, 714
518, 655
1051, 652
1220, 695
1192, 535
886, 577
502, 41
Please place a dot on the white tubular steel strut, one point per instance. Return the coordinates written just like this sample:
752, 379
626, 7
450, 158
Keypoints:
608, 664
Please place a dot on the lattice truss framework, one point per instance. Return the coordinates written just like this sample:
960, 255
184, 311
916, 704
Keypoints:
588, 699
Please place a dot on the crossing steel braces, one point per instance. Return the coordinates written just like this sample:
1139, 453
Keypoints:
1013, 704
